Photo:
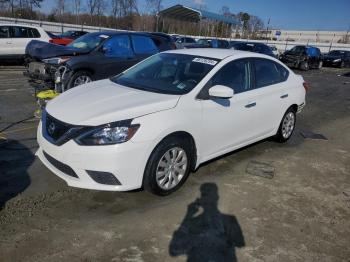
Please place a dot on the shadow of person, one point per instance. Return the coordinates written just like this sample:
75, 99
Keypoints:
15, 159
209, 235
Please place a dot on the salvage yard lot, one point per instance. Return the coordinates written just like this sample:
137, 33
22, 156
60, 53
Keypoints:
300, 211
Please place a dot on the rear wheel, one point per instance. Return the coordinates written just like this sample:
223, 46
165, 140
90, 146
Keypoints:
287, 126
168, 166
79, 78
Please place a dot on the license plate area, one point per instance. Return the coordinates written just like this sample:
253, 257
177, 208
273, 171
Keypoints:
37, 68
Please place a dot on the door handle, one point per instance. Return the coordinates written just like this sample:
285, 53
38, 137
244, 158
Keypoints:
284, 96
250, 105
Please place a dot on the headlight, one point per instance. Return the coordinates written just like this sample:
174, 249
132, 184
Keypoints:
337, 60
56, 60
109, 134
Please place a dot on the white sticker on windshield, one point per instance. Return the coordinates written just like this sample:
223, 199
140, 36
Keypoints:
104, 36
204, 61
181, 86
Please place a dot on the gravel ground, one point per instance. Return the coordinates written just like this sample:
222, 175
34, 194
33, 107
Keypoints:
280, 202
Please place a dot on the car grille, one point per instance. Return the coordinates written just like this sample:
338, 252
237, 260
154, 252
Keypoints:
60, 166
58, 132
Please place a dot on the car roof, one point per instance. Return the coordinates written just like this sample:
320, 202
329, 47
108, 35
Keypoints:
24, 25
216, 53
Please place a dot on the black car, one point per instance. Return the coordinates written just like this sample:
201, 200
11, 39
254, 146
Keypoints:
252, 47
209, 43
73, 34
338, 58
303, 57
91, 57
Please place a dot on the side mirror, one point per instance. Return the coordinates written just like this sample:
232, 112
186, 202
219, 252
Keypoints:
220, 91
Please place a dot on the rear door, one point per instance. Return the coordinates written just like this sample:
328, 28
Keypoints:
272, 94
115, 56
20, 37
5, 41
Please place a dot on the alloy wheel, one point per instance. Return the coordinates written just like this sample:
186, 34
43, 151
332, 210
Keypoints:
288, 125
171, 168
82, 80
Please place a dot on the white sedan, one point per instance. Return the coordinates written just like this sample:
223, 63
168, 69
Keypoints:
153, 124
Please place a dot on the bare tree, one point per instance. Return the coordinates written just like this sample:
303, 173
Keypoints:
77, 7
154, 6
255, 25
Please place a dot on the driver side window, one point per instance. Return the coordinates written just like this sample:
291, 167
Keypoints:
235, 75
118, 46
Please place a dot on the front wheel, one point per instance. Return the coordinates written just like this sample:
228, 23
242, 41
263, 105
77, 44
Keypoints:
287, 126
304, 65
79, 78
168, 166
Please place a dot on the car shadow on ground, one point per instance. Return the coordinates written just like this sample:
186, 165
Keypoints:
205, 233
14, 177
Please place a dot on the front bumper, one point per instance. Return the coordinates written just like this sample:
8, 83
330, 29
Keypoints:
331, 63
125, 161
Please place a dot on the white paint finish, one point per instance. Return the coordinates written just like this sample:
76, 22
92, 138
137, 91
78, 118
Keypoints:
217, 127
16, 46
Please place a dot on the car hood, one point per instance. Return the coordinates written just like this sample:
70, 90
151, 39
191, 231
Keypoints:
42, 50
104, 101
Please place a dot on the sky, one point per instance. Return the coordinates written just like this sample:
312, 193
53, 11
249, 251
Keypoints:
283, 14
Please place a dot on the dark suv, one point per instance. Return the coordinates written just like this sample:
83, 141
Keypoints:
252, 47
339, 58
303, 57
91, 57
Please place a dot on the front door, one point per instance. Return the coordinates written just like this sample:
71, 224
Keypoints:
115, 56
228, 123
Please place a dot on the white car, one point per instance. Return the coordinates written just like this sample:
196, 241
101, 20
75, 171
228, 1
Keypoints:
14, 39
151, 125
275, 51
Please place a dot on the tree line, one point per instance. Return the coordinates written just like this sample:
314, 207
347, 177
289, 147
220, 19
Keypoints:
126, 14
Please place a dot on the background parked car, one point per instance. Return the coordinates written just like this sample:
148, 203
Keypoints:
253, 47
339, 58
66, 37
303, 57
210, 43
14, 39
91, 57
184, 41
275, 51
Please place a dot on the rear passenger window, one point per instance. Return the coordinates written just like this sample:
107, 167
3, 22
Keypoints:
118, 46
143, 45
4, 32
235, 75
20, 32
268, 72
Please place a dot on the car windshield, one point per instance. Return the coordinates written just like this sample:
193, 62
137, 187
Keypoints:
67, 33
204, 42
88, 41
336, 53
167, 73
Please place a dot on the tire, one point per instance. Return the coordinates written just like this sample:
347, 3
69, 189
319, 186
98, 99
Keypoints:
342, 64
157, 164
286, 128
304, 65
73, 82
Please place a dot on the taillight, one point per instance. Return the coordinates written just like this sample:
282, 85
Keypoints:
306, 86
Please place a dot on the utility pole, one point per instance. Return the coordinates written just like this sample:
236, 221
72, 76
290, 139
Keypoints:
267, 29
